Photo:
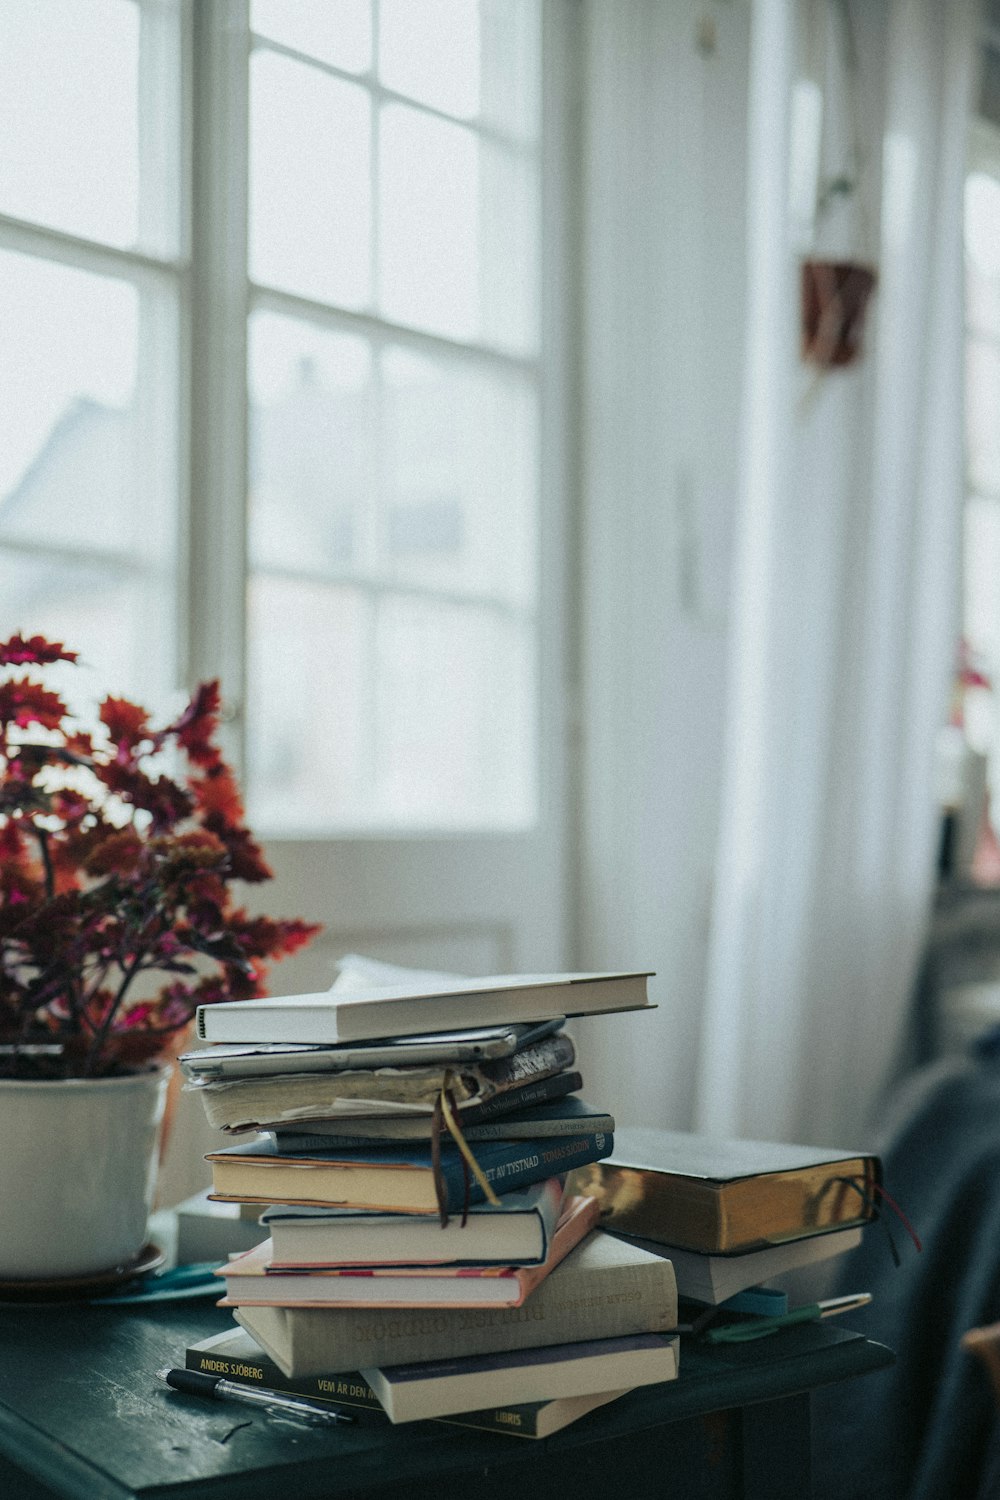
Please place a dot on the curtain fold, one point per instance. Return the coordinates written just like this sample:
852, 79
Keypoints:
846, 597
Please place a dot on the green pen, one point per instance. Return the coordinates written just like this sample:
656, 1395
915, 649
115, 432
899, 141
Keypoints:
742, 1333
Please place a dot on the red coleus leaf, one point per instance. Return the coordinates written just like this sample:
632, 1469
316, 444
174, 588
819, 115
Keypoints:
196, 728
81, 743
11, 841
206, 899
246, 862
218, 796
24, 702
266, 937
245, 982
87, 905
126, 722
183, 853
17, 651
20, 893
167, 802
83, 832
119, 853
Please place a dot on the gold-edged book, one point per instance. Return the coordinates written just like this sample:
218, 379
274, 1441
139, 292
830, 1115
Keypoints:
724, 1197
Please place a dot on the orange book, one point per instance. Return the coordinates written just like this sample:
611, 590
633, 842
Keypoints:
252, 1281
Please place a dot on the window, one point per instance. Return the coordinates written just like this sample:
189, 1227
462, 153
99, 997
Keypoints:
92, 259
269, 285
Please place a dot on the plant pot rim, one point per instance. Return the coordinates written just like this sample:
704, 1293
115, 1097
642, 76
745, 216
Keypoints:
147, 1075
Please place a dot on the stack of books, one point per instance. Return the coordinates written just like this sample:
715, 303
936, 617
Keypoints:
734, 1217
410, 1153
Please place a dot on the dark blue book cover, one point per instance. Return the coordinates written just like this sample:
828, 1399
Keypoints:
506, 1165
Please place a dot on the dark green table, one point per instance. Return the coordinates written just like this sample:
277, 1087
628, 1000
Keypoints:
82, 1414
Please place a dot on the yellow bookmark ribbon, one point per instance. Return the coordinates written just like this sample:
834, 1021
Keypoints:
455, 1132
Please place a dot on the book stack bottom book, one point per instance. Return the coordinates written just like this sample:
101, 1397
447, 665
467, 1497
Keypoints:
236, 1355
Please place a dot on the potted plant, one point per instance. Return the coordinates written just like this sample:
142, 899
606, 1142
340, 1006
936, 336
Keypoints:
120, 847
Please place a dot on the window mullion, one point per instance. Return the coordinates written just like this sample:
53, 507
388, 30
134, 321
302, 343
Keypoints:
217, 562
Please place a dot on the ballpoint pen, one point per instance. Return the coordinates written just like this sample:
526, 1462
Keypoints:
197, 1383
742, 1333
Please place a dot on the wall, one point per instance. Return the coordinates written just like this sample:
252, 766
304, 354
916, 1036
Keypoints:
663, 290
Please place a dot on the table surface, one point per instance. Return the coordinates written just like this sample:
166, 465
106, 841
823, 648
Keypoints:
83, 1412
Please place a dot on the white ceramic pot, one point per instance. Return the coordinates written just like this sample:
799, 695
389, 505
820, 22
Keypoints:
77, 1172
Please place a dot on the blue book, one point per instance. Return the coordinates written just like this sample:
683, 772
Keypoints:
765, 1301
397, 1177
517, 1233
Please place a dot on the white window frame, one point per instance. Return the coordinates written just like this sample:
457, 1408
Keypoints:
221, 295
207, 279
156, 278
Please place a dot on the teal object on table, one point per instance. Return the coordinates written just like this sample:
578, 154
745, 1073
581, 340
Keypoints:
758, 1328
180, 1283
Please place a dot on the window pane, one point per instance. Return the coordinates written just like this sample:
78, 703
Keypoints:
79, 153
982, 222
476, 59
510, 67
455, 735
387, 712
394, 483
429, 50
310, 189
121, 622
308, 740
310, 446
339, 34
982, 300
982, 401
88, 414
509, 259
457, 246
460, 465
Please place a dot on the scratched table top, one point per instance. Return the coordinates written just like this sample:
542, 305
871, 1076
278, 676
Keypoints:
83, 1414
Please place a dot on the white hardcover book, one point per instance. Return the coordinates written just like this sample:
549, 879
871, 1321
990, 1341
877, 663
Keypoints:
349, 1015
439, 1388
716, 1278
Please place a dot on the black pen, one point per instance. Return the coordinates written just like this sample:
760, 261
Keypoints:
196, 1383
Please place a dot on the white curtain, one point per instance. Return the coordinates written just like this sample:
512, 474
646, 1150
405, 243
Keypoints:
845, 613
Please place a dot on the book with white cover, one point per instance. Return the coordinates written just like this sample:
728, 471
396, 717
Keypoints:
716, 1278
439, 1388
517, 1231
350, 1015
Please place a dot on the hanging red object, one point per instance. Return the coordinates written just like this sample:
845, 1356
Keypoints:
835, 296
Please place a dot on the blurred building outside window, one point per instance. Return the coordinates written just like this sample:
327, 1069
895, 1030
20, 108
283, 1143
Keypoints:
389, 273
